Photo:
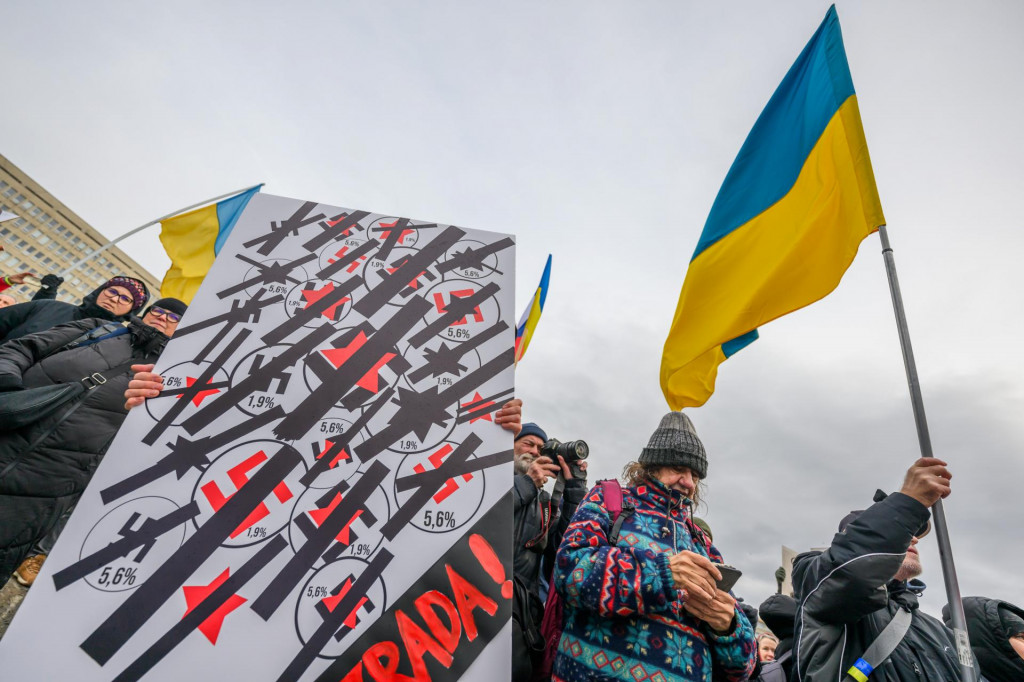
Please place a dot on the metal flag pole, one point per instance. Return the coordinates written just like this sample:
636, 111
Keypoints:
956, 607
74, 266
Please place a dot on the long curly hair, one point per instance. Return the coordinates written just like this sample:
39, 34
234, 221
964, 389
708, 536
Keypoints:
635, 474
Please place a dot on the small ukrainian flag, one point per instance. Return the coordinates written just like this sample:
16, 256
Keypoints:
193, 240
528, 322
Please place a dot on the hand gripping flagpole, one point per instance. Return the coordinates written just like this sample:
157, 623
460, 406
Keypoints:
956, 607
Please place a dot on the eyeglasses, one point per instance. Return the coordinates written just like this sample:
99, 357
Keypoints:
160, 312
118, 296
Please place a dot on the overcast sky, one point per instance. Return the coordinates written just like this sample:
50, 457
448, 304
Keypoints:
601, 132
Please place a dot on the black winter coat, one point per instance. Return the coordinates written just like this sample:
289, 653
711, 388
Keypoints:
847, 595
37, 316
990, 624
529, 504
778, 612
38, 485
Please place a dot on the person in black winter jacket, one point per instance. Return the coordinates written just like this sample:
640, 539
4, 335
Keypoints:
996, 631
850, 592
538, 526
778, 612
45, 466
115, 300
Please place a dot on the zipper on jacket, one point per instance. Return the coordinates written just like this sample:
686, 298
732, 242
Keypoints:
671, 523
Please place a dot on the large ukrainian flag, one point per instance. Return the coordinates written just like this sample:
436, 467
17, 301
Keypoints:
193, 240
787, 222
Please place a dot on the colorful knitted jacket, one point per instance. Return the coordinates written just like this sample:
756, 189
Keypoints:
624, 618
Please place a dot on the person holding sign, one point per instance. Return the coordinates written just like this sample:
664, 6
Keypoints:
46, 464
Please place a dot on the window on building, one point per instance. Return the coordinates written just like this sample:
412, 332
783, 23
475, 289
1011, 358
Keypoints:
35, 211
19, 222
22, 244
37, 233
27, 204
3, 185
9, 192
44, 218
20, 198
44, 239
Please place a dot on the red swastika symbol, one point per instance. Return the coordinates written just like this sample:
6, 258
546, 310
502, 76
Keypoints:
337, 458
414, 283
239, 475
338, 356
194, 596
320, 515
450, 486
314, 295
341, 252
461, 293
332, 602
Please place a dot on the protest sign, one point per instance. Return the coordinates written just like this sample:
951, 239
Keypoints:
320, 491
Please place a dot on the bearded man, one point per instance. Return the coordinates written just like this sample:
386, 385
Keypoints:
539, 523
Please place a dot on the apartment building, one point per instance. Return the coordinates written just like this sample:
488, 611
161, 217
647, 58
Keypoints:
47, 237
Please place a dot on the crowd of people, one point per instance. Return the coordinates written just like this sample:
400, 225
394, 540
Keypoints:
637, 585
618, 581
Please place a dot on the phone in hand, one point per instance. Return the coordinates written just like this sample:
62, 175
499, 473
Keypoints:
730, 574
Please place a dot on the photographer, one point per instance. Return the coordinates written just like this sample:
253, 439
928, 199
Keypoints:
540, 521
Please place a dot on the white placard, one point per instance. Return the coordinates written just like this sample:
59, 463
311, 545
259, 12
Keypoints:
275, 512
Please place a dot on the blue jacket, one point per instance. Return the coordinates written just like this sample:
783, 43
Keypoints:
624, 618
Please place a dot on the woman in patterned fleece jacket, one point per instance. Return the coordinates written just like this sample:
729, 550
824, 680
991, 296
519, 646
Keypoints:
646, 608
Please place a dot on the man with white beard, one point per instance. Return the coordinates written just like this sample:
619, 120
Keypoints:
539, 523
865, 583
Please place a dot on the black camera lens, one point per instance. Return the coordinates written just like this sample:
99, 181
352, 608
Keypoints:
573, 451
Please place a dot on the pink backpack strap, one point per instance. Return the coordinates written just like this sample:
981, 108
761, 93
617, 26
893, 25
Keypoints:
612, 493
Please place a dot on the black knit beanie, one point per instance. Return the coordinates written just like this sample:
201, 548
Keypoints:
675, 444
172, 305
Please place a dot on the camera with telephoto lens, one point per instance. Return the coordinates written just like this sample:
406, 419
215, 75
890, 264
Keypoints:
573, 452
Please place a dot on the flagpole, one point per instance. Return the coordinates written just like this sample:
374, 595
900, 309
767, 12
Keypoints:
956, 607
74, 266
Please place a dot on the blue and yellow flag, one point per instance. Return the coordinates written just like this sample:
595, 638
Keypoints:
796, 204
193, 240
528, 322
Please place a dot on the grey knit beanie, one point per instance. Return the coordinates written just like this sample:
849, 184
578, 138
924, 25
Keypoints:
675, 444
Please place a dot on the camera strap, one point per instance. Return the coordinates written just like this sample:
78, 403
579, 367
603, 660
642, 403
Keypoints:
549, 513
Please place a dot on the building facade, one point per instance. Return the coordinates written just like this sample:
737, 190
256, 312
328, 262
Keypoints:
47, 237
